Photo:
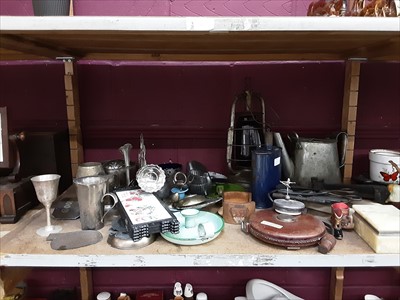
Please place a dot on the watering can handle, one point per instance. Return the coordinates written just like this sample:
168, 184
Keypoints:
293, 137
345, 140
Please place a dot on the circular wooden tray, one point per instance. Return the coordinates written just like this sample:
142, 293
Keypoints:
284, 230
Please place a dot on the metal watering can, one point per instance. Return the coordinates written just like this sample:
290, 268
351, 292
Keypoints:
313, 158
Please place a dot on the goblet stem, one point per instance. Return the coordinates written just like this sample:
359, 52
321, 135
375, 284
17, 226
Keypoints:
47, 206
48, 229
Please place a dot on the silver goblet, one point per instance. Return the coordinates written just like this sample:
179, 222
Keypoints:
46, 188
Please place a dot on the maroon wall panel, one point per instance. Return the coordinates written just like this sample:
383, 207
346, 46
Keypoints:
220, 283
383, 282
378, 114
34, 95
43, 282
183, 109
186, 100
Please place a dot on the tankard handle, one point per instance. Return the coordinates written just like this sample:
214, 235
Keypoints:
115, 199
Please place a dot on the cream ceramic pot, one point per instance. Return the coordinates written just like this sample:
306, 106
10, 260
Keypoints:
384, 165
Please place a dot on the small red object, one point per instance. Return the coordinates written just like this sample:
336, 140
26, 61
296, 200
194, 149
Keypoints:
150, 295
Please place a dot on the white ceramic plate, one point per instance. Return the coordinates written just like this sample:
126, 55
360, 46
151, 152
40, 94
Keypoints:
189, 236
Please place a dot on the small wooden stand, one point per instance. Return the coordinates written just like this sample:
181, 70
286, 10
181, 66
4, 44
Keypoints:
16, 199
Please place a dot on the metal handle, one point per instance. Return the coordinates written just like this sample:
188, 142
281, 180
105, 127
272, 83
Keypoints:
180, 179
245, 226
342, 158
114, 197
247, 98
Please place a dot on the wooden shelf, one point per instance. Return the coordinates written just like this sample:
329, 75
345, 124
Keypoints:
200, 38
351, 39
22, 247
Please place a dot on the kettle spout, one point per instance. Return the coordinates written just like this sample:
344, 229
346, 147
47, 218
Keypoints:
287, 163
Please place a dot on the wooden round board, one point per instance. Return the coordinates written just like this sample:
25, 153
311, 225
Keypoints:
284, 230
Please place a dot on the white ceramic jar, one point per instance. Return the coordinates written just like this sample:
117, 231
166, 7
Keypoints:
103, 296
201, 296
384, 165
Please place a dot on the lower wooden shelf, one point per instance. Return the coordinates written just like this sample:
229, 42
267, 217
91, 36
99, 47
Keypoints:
21, 247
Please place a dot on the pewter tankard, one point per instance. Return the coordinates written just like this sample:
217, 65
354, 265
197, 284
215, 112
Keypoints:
90, 191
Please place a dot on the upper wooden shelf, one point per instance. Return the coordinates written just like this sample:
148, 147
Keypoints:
200, 38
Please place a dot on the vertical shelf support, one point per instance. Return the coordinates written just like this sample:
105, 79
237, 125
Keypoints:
349, 113
337, 279
86, 283
73, 113
71, 8
9, 278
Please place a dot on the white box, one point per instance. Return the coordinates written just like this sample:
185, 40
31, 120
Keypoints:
379, 226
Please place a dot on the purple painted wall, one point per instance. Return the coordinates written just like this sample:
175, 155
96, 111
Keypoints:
169, 8
183, 110
308, 283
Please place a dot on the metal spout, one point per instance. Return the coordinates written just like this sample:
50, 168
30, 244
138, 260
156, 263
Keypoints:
125, 149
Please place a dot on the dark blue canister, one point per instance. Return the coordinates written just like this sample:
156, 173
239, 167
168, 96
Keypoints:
266, 166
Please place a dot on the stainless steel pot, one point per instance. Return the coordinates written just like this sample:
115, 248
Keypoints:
118, 170
89, 169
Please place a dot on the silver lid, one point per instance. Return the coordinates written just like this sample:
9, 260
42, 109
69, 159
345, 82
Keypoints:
291, 207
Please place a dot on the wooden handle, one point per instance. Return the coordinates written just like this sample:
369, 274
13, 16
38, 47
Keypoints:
327, 243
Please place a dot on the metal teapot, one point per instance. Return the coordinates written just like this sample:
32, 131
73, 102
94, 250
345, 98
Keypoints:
313, 158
